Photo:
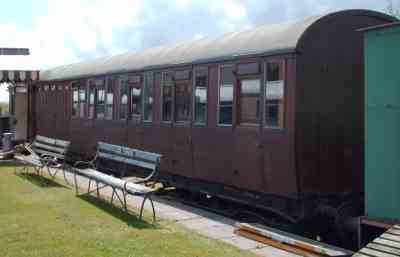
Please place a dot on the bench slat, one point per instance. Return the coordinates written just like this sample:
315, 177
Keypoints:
52, 141
44, 152
60, 150
135, 162
114, 182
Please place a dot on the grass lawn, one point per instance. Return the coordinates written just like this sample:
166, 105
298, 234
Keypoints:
49, 221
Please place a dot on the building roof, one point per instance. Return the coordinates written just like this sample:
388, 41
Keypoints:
263, 40
266, 39
382, 26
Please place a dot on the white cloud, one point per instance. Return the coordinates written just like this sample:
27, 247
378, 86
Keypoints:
71, 30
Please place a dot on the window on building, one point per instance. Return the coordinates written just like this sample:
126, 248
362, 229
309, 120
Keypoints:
148, 97
79, 100
109, 100
124, 100
226, 95
249, 101
200, 95
274, 95
168, 85
182, 96
82, 101
136, 100
75, 101
92, 93
97, 98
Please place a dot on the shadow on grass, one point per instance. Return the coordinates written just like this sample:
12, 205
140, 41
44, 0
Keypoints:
10, 164
40, 180
118, 212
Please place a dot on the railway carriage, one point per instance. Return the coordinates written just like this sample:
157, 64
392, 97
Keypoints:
271, 117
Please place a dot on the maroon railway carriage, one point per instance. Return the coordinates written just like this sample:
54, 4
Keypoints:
271, 117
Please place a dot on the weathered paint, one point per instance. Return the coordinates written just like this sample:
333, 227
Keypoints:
382, 122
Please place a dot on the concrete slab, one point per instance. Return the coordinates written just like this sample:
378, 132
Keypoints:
243, 243
272, 251
203, 222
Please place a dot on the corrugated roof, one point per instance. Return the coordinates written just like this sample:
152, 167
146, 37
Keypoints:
266, 39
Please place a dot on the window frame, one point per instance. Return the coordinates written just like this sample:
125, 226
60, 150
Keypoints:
96, 88
145, 74
283, 64
194, 87
189, 82
109, 83
232, 65
128, 90
162, 99
78, 85
136, 118
258, 77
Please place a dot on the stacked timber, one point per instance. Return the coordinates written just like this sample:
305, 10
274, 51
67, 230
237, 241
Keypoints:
387, 245
289, 242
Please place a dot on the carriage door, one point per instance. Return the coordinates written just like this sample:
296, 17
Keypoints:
182, 162
247, 161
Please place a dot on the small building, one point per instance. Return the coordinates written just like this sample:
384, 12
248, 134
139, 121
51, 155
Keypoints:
382, 126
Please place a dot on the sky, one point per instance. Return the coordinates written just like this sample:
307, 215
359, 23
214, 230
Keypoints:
66, 31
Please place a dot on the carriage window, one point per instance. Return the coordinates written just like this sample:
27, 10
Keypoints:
226, 95
82, 102
200, 95
99, 98
274, 95
91, 102
249, 101
109, 100
124, 96
168, 84
79, 101
136, 94
182, 101
148, 97
75, 99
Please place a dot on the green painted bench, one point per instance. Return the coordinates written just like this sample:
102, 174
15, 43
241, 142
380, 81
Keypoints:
120, 160
44, 153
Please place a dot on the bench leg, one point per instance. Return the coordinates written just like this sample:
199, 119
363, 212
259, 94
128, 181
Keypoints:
119, 198
112, 195
124, 194
88, 189
97, 189
65, 177
152, 206
76, 184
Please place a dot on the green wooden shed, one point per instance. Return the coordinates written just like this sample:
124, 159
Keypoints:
382, 122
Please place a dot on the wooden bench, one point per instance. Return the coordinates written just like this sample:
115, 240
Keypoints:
44, 152
119, 159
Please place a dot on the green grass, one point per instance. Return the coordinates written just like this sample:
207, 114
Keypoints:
41, 221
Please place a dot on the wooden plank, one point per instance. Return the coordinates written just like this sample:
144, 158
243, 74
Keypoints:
62, 143
294, 240
391, 237
387, 242
48, 147
375, 253
275, 244
44, 152
47, 140
394, 231
396, 227
154, 157
134, 162
109, 147
383, 248
360, 255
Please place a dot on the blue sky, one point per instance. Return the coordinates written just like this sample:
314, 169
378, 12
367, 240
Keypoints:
65, 31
